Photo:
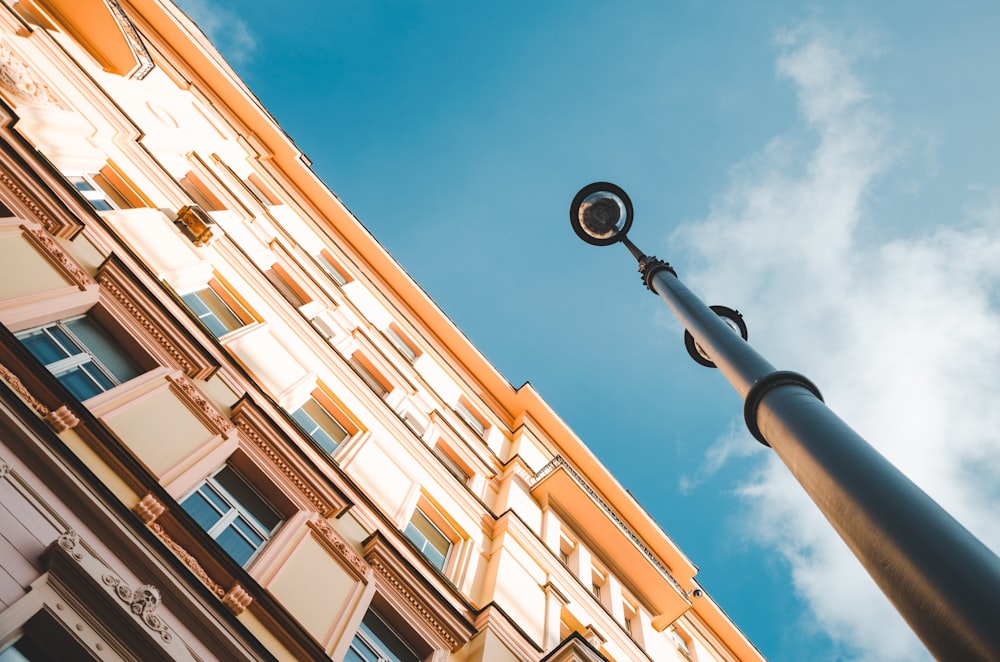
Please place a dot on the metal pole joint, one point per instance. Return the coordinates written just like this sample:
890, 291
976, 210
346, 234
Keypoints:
649, 266
765, 385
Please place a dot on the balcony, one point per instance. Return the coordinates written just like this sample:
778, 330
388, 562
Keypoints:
559, 486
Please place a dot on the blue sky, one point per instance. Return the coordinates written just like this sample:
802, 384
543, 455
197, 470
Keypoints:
829, 169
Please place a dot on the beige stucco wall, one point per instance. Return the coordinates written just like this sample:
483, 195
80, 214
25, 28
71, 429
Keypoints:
159, 428
18, 259
313, 586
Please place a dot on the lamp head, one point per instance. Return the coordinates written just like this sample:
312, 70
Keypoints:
601, 214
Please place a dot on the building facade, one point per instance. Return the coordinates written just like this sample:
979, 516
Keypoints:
231, 426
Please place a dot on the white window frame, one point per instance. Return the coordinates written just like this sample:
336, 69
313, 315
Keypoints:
374, 645
235, 511
422, 542
81, 357
95, 195
315, 426
209, 316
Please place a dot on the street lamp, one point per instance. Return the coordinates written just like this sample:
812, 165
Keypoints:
941, 578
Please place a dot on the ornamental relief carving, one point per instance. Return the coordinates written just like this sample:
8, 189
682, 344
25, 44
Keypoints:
251, 432
207, 409
51, 249
341, 547
29, 203
16, 385
143, 602
416, 605
189, 560
18, 79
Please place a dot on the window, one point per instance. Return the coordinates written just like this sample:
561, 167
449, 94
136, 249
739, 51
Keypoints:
286, 287
598, 581
331, 267
261, 191
43, 639
200, 194
401, 343
368, 375
451, 464
471, 418
428, 538
233, 513
217, 309
86, 186
630, 619
566, 548
681, 640
81, 354
376, 641
319, 424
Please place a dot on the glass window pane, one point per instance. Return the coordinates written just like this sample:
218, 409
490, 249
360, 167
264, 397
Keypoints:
236, 545
199, 505
44, 347
389, 644
249, 501
428, 538
80, 384
103, 347
317, 422
212, 311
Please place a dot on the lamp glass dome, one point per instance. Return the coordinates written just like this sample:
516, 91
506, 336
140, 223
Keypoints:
601, 213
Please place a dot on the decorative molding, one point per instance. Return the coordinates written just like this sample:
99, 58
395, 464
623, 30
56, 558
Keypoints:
237, 599
143, 602
17, 78
189, 560
149, 508
29, 203
257, 428
209, 412
135, 43
336, 543
69, 540
61, 419
559, 462
417, 607
443, 624
16, 385
60, 258
4, 470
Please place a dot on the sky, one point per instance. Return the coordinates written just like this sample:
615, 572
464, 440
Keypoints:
829, 169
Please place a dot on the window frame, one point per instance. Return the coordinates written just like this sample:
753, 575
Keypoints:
334, 411
283, 282
76, 362
374, 643
473, 419
370, 375
230, 303
410, 530
97, 196
401, 342
331, 267
235, 511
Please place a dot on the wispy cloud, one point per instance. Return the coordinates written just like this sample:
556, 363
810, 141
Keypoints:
224, 27
903, 337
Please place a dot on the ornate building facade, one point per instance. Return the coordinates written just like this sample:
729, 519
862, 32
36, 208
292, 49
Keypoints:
231, 427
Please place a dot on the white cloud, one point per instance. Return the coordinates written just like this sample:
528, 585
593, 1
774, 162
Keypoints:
226, 30
903, 337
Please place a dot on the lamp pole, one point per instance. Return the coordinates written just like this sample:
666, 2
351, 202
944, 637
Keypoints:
943, 580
